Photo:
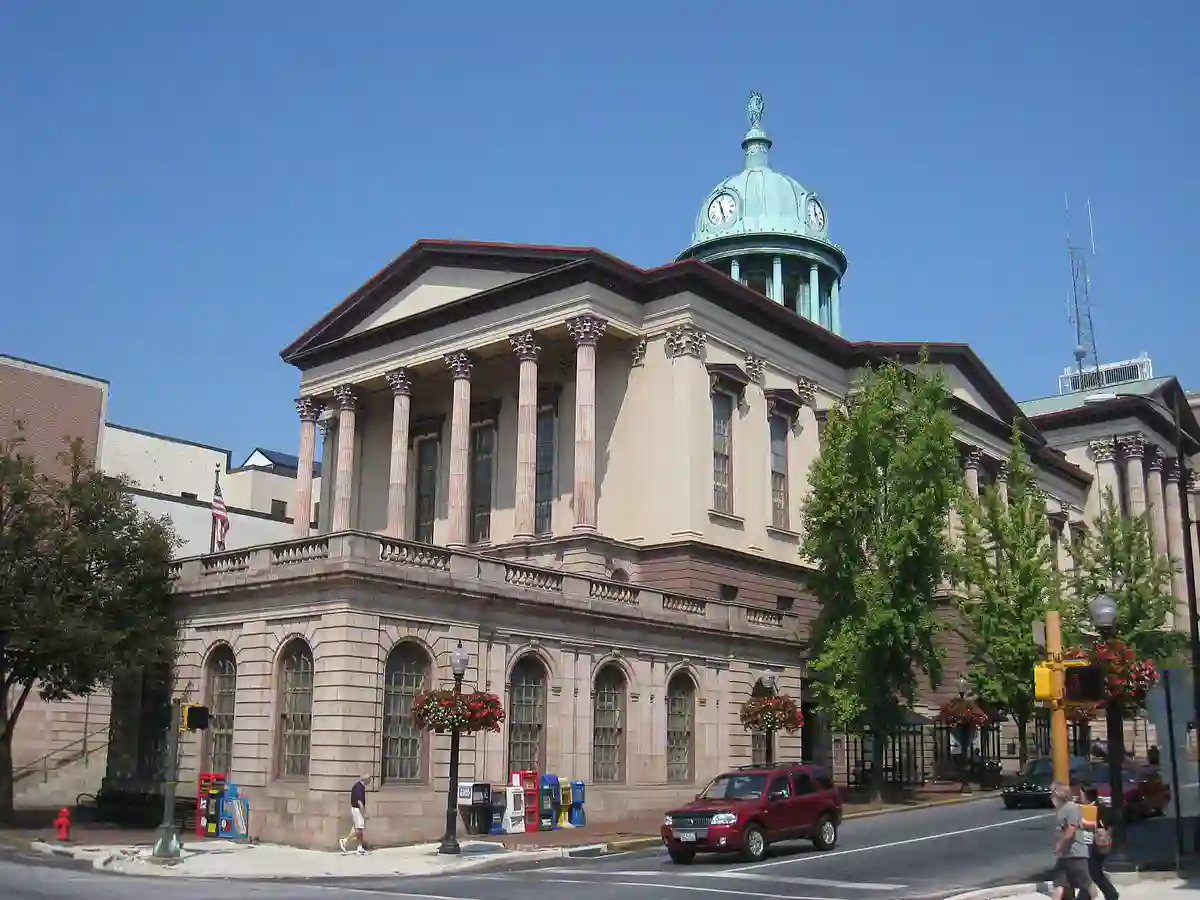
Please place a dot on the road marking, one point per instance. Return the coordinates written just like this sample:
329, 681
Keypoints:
658, 885
917, 840
373, 892
811, 882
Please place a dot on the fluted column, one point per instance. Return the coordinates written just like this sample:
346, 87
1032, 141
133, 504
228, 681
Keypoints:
526, 347
1104, 455
1193, 487
400, 381
1156, 502
1133, 451
1002, 481
971, 467
347, 404
328, 429
586, 331
1175, 540
310, 410
460, 364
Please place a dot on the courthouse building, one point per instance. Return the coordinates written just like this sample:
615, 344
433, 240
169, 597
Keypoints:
592, 476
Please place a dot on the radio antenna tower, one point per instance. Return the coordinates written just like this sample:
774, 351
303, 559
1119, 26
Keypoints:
1080, 303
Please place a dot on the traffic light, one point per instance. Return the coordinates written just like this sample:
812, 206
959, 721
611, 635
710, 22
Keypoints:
1043, 684
195, 717
1084, 683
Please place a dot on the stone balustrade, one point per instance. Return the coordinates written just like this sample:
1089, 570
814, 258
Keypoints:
378, 557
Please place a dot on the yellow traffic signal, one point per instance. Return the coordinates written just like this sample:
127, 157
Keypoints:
195, 717
1043, 683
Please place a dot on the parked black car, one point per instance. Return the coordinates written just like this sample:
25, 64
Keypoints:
1031, 787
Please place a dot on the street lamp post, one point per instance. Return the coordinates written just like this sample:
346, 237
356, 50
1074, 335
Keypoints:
449, 845
1103, 610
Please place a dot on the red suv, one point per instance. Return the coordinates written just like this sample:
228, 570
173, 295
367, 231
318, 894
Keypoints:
750, 808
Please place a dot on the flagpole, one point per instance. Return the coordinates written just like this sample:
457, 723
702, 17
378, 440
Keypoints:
212, 531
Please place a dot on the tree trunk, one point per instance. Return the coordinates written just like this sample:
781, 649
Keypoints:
1022, 740
6, 777
878, 748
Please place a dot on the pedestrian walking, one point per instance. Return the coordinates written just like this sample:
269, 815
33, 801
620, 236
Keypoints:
358, 817
1070, 847
1100, 846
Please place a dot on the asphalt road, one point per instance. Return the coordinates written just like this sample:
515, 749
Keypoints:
925, 853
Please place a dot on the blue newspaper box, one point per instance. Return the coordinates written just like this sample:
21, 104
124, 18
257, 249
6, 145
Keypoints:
578, 817
234, 821
549, 798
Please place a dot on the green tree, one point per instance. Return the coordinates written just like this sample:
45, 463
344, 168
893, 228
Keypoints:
1004, 565
875, 523
84, 587
1117, 558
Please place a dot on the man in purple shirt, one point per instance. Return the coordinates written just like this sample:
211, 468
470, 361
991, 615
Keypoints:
358, 817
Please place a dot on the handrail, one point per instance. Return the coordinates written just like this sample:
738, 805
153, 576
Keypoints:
43, 762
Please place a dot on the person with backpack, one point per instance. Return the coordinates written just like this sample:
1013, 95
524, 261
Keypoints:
1101, 844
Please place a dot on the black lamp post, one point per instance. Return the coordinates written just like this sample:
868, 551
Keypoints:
458, 664
1103, 610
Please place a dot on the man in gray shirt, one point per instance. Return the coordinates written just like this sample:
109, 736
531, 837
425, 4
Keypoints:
1071, 847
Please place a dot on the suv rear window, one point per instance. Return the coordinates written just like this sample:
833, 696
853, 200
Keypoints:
735, 787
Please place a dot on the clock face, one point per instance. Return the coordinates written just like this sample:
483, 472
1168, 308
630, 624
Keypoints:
816, 215
723, 209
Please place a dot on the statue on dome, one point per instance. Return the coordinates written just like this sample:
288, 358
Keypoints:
754, 109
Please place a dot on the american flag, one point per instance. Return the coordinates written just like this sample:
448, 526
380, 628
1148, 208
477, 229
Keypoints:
220, 515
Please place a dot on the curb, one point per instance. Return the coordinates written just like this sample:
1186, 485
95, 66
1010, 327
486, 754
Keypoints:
1005, 890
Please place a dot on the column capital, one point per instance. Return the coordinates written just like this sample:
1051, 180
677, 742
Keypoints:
525, 345
310, 408
460, 363
345, 397
1193, 484
1172, 469
1104, 450
637, 356
586, 330
973, 458
756, 368
1002, 470
1155, 458
1133, 446
806, 389
685, 340
327, 425
400, 381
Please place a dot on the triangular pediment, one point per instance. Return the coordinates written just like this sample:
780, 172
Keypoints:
434, 287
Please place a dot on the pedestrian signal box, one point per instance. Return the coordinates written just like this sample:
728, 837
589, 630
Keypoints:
1084, 683
1043, 685
195, 717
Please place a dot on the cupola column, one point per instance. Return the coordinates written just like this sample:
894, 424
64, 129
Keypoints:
397, 509
460, 364
777, 280
735, 269
835, 309
343, 497
310, 410
527, 350
813, 313
586, 331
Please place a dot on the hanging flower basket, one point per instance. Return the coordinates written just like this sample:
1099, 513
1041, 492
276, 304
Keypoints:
1127, 679
779, 713
442, 711
963, 712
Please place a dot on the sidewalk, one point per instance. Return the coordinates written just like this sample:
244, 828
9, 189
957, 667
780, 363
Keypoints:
1151, 889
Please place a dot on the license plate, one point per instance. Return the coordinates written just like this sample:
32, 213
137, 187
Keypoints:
687, 836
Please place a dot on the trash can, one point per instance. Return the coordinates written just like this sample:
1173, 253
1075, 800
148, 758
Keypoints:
578, 817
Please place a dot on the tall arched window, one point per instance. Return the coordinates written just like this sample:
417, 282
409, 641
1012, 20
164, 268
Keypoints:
405, 675
608, 725
681, 729
295, 709
221, 692
758, 739
527, 715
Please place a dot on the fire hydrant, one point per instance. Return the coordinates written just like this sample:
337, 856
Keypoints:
63, 824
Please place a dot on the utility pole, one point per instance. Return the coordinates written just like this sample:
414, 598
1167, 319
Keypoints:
166, 841
1059, 751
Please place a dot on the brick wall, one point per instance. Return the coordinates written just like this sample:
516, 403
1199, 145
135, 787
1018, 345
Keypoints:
52, 405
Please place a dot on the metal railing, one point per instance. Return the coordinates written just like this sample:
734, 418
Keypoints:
55, 759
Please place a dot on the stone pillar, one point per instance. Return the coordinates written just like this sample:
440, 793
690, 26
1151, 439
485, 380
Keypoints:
310, 410
1002, 481
814, 293
586, 332
1193, 487
526, 347
1156, 501
328, 427
1176, 545
347, 404
1133, 450
971, 465
1104, 455
777, 280
835, 308
400, 382
735, 269
460, 364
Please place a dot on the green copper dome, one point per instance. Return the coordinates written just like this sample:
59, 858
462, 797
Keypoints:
758, 199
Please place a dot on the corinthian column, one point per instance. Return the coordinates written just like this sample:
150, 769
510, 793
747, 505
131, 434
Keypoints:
461, 364
347, 404
586, 331
1193, 487
1104, 454
397, 516
1175, 538
1156, 501
971, 468
310, 410
527, 350
1133, 449
1002, 481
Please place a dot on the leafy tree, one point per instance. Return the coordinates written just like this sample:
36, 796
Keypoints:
1117, 558
1005, 567
84, 587
875, 524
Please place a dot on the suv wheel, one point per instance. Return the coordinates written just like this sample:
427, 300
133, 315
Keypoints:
826, 835
682, 857
754, 844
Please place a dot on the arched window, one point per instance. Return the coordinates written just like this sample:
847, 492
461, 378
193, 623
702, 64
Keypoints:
608, 725
681, 729
295, 709
405, 675
221, 692
527, 715
758, 739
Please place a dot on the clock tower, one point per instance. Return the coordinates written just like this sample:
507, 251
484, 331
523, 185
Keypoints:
771, 233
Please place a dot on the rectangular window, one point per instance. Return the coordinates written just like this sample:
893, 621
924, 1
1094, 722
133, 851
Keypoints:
543, 492
722, 406
279, 509
427, 475
779, 471
188, 495
483, 461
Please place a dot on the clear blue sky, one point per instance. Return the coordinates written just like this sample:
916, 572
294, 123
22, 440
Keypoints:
186, 187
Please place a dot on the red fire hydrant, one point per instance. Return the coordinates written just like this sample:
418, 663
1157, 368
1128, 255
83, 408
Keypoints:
63, 824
